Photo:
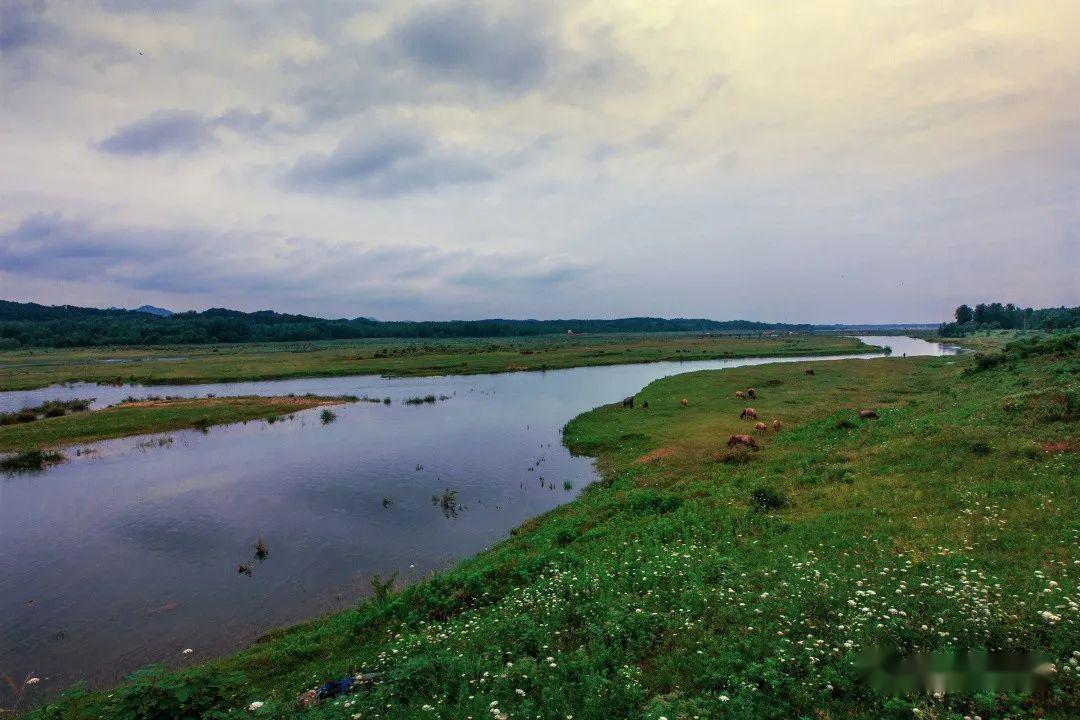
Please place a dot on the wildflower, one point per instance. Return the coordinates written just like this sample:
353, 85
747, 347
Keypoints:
186, 651
520, 692
724, 698
255, 705
33, 681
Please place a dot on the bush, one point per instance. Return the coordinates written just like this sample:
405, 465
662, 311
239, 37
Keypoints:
30, 461
654, 503
765, 499
198, 693
980, 448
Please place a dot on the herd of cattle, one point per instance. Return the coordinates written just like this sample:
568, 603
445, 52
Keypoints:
750, 413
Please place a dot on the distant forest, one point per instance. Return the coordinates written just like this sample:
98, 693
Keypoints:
34, 325
995, 316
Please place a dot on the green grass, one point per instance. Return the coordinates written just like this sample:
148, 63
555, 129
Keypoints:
149, 417
26, 369
683, 586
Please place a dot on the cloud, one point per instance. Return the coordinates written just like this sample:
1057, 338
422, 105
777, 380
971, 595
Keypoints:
23, 24
179, 131
465, 42
385, 162
192, 261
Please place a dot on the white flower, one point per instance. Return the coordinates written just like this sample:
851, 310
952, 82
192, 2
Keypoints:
255, 705
520, 692
724, 698
186, 651
33, 681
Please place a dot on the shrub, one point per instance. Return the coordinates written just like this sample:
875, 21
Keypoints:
980, 448
328, 416
654, 503
30, 461
765, 499
198, 693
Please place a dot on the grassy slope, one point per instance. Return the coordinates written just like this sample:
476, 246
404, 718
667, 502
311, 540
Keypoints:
25, 369
661, 593
143, 418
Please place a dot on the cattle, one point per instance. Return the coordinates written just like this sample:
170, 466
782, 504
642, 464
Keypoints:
740, 394
809, 371
743, 440
868, 415
777, 426
684, 402
628, 402
751, 393
761, 427
748, 414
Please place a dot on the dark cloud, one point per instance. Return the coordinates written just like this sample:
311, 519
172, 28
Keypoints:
164, 131
190, 262
464, 42
385, 162
23, 24
179, 131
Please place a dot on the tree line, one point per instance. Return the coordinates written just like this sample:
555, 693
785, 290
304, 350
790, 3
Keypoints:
34, 325
996, 316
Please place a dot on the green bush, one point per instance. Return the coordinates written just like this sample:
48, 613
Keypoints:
154, 694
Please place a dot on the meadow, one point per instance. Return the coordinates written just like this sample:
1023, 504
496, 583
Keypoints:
39, 367
701, 581
142, 417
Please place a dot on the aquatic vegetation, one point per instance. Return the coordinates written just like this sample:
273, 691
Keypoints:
48, 409
29, 461
447, 501
327, 416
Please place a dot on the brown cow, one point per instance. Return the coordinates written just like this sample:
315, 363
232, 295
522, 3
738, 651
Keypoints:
868, 415
685, 402
751, 393
628, 402
809, 371
748, 414
743, 440
740, 394
761, 427
777, 426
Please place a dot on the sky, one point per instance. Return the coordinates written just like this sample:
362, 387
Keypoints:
777, 160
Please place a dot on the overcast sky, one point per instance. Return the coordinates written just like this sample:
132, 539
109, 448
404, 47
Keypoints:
845, 161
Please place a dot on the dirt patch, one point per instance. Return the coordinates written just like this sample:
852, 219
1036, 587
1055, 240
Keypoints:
1061, 447
658, 454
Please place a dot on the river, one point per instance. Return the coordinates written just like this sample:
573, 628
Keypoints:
127, 554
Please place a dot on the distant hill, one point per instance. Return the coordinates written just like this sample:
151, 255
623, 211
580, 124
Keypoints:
152, 310
31, 324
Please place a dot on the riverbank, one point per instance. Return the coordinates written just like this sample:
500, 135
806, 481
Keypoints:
29, 369
151, 416
708, 581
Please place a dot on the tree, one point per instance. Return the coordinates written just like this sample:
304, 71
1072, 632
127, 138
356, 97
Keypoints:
963, 315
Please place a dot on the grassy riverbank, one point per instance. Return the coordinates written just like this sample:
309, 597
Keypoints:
27, 369
150, 416
698, 582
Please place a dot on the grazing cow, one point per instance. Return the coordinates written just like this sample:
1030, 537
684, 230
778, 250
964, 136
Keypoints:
685, 402
809, 371
740, 394
868, 415
761, 427
743, 440
777, 426
751, 393
628, 402
748, 414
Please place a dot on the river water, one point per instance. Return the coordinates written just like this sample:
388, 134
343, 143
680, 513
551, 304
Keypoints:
125, 555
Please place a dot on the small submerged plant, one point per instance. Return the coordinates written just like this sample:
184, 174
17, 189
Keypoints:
327, 416
447, 501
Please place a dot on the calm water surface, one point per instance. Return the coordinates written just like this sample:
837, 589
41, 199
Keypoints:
128, 554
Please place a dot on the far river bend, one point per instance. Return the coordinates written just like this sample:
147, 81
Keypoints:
124, 556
